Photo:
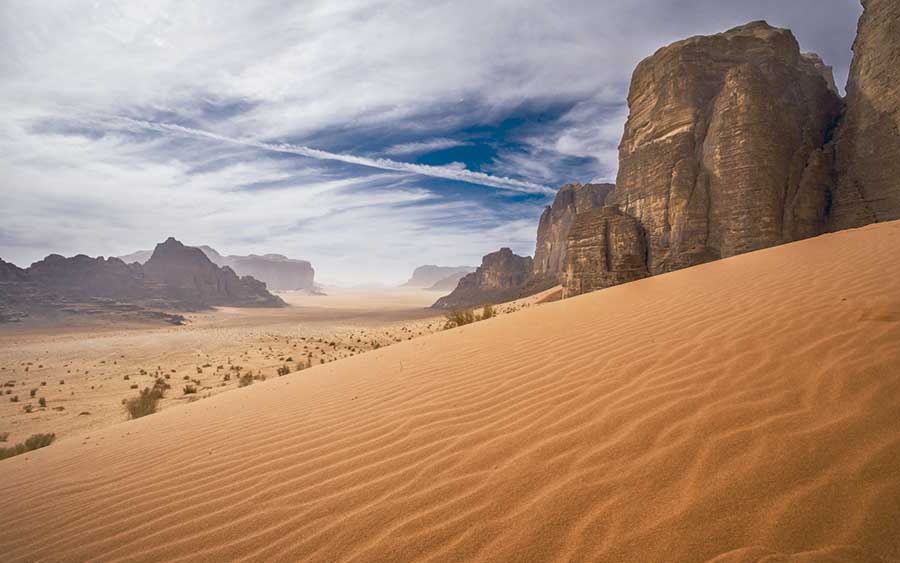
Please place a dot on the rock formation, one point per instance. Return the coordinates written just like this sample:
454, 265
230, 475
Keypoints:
11, 273
501, 277
429, 275
605, 247
196, 279
83, 276
724, 148
279, 273
557, 219
867, 142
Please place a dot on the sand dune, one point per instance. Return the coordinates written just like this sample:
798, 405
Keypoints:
744, 410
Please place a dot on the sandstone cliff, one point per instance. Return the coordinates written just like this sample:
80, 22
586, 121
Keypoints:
724, 148
867, 143
555, 222
605, 248
196, 279
501, 277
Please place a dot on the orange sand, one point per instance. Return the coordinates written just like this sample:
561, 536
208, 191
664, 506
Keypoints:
743, 410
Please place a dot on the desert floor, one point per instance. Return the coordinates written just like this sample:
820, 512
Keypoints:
84, 368
744, 410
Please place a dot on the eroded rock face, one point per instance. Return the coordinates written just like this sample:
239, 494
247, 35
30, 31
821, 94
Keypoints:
11, 273
196, 279
867, 143
605, 247
501, 277
83, 276
724, 148
553, 229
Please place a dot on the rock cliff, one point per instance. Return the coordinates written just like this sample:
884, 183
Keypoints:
557, 219
867, 142
724, 150
196, 279
605, 247
501, 277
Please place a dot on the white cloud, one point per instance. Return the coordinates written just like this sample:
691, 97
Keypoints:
421, 147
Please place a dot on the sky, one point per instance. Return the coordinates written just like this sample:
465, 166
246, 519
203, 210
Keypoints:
367, 137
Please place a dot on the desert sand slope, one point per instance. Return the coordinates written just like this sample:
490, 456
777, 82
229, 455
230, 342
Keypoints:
742, 410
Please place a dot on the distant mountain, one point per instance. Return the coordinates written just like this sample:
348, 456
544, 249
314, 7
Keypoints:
174, 278
197, 279
279, 273
428, 276
449, 283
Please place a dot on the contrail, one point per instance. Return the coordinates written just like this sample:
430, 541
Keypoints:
446, 172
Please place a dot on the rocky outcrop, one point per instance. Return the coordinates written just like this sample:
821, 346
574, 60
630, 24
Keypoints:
430, 275
557, 219
724, 150
605, 247
11, 273
196, 279
867, 142
83, 276
501, 277
279, 273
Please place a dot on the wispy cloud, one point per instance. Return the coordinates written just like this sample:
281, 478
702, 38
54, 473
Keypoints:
450, 172
424, 146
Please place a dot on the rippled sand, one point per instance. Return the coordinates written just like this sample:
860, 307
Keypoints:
744, 410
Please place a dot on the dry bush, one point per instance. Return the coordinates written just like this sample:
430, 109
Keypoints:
35, 441
459, 317
145, 403
189, 389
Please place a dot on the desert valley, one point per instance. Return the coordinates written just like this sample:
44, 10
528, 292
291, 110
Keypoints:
699, 362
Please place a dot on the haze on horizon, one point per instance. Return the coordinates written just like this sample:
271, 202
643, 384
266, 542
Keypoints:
366, 137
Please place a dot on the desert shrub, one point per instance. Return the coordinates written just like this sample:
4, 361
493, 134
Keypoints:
145, 403
14, 399
284, 370
459, 317
189, 389
134, 385
28, 408
43, 402
245, 380
33, 393
34, 442
487, 311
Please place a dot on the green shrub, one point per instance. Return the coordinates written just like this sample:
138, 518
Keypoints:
189, 389
43, 402
34, 442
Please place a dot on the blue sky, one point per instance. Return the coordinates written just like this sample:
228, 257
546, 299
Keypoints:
367, 137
